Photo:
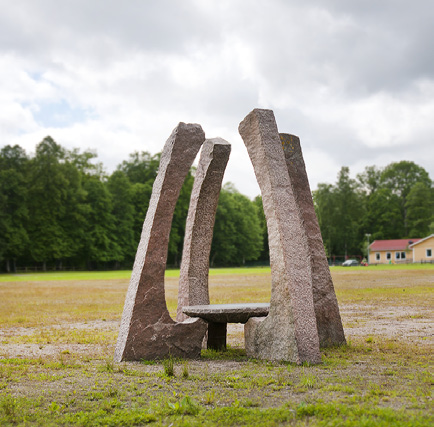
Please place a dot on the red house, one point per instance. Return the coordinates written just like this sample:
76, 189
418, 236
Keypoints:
391, 251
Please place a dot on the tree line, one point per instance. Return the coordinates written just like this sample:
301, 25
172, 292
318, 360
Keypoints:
395, 202
59, 209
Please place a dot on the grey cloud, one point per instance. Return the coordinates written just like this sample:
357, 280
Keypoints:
364, 46
38, 25
120, 59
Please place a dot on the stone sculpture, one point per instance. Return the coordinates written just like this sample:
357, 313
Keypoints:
289, 332
303, 312
193, 281
328, 319
147, 331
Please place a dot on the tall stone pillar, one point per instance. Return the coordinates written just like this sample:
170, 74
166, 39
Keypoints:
193, 281
147, 331
328, 319
289, 332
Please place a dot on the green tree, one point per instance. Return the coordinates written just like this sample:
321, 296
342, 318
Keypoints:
75, 208
340, 212
46, 195
383, 219
400, 177
237, 233
140, 196
369, 180
13, 204
83, 162
120, 189
420, 209
100, 240
350, 211
57, 204
141, 167
178, 222
324, 202
265, 250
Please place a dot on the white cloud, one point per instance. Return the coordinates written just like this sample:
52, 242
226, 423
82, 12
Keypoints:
350, 78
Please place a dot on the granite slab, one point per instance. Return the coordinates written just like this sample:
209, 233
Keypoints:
227, 313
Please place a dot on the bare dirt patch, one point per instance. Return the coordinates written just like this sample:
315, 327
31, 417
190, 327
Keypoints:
404, 323
389, 304
58, 369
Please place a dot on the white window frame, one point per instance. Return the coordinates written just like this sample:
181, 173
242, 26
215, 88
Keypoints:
377, 256
426, 252
403, 255
397, 255
388, 255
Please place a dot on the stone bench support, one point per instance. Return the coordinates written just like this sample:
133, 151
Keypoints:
219, 315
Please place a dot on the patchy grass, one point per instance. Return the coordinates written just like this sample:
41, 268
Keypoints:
387, 267
389, 385
116, 275
238, 271
67, 276
56, 359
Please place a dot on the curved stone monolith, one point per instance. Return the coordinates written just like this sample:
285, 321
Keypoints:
289, 331
328, 319
193, 281
147, 331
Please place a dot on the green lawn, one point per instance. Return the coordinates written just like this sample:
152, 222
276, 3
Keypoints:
125, 274
58, 332
114, 275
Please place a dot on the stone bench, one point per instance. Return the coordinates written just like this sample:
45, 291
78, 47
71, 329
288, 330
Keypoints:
219, 315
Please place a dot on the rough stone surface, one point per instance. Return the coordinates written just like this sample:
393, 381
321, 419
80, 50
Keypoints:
328, 319
227, 313
289, 332
193, 280
147, 331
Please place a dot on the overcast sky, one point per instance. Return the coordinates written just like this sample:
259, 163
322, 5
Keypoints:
353, 79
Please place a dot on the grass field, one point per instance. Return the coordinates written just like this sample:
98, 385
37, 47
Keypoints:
125, 274
58, 331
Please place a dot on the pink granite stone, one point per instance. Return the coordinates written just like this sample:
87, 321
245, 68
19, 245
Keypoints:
328, 319
289, 332
193, 281
147, 331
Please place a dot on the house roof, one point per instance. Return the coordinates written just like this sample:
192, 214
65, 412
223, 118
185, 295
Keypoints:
392, 245
417, 241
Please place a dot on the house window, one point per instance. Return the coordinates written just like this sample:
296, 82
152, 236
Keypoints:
377, 256
403, 255
388, 255
397, 255
429, 253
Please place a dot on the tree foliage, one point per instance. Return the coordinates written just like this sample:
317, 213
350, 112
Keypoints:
58, 208
391, 203
400, 178
14, 211
419, 206
237, 232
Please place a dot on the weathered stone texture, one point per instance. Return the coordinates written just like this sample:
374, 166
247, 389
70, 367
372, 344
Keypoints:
289, 332
328, 319
147, 331
228, 313
193, 281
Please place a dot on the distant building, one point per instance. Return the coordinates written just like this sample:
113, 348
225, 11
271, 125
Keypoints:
391, 251
423, 249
